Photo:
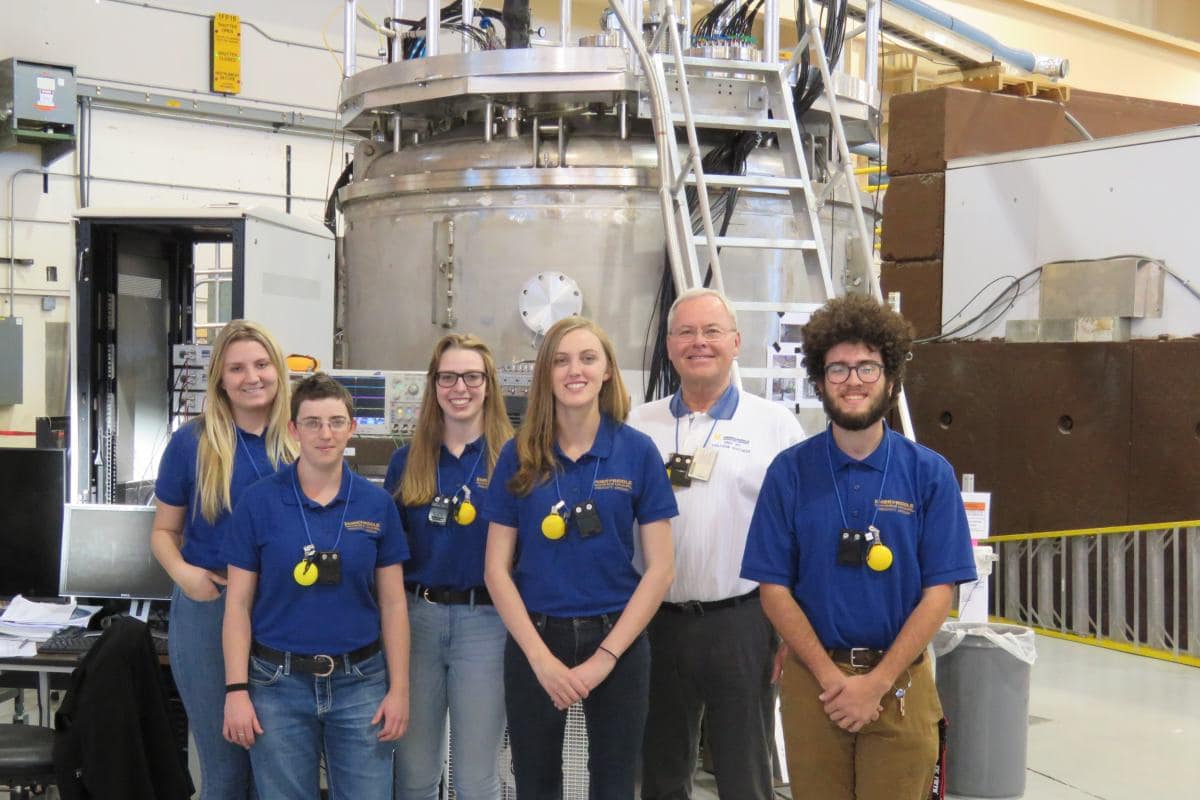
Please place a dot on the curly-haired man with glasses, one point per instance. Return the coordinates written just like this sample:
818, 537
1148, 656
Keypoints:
857, 540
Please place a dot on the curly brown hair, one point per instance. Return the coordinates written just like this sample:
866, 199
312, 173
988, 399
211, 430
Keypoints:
857, 319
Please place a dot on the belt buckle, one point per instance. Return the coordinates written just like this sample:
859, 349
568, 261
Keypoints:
425, 595
854, 651
327, 672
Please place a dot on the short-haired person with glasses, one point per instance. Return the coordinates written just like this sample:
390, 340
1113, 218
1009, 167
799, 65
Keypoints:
316, 622
858, 540
712, 649
439, 482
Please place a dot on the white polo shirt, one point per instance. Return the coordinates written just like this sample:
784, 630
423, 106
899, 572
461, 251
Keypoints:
747, 432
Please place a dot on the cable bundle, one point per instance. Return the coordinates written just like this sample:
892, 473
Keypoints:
482, 35
809, 84
710, 29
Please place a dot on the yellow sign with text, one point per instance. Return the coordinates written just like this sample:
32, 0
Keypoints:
226, 53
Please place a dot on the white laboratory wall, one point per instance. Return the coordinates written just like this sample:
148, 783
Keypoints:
1129, 195
139, 157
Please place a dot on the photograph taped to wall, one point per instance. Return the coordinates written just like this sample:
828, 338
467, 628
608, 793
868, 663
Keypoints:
788, 384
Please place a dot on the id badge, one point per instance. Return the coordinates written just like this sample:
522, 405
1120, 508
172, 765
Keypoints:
587, 518
439, 511
329, 568
677, 470
702, 464
852, 548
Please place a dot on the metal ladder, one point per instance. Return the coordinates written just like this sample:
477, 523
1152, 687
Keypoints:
677, 172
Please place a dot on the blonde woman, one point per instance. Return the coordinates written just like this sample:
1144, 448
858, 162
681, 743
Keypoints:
565, 504
240, 438
439, 481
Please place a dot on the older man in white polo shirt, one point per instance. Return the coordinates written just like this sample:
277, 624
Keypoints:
711, 645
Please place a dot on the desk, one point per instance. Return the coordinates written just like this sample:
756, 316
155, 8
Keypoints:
44, 665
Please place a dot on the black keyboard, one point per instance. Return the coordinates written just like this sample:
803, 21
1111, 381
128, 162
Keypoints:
74, 641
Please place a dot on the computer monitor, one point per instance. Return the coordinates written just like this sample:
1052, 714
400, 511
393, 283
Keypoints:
106, 553
32, 493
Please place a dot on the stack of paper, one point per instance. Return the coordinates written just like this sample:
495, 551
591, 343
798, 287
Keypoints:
25, 622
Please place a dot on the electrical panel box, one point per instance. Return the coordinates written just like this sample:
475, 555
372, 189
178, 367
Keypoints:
37, 106
11, 362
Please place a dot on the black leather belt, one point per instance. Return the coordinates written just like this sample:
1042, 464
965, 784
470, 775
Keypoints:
544, 620
862, 657
700, 607
450, 597
320, 665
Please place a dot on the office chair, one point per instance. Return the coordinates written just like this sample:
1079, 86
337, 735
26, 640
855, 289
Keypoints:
26, 760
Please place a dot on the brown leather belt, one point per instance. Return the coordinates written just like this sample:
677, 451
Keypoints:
862, 657
320, 665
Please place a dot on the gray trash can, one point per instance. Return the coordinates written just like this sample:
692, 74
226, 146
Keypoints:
983, 674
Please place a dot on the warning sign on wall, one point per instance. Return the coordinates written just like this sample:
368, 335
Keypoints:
226, 53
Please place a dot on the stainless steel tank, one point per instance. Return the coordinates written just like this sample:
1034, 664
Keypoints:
488, 169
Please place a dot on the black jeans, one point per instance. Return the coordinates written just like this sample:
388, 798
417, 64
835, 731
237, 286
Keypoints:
615, 712
716, 665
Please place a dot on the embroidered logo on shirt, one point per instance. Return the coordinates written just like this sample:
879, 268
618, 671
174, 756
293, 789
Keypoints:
363, 525
899, 506
482, 481
617, 484
727, 441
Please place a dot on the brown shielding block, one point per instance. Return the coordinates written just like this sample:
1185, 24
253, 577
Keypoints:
1044, 427
920, 286
927, 129
1165, 431
914, 212
1113, 115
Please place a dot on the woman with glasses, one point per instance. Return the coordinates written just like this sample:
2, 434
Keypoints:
565, 502
240, 438
439, 481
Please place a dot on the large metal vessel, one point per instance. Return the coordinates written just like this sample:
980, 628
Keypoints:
497, 188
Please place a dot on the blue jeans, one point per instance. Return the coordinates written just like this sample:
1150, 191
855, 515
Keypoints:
615, 712
457, 664
303, 716
198, 667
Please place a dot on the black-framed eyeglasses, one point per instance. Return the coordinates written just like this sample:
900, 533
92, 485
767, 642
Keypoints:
839, 371
473, 379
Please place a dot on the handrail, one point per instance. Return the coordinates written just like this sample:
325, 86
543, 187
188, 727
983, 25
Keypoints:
1132, 588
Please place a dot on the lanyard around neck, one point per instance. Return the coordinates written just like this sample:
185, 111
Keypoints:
887, 460
246, 450
470, 474
706, 438
304, 516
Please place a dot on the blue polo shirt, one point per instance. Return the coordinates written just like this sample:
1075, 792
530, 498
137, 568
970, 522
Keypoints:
918, 511
449, 556
177, 486
268, 537
572, 576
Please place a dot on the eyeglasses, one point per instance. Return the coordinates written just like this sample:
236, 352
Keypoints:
709, 333
315, 424
473, 380
839, 372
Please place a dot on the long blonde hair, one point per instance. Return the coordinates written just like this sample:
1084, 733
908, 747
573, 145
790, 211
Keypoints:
419, 483
218, 437
535, 439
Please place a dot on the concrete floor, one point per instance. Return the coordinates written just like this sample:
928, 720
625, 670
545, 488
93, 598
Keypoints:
1103, 726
